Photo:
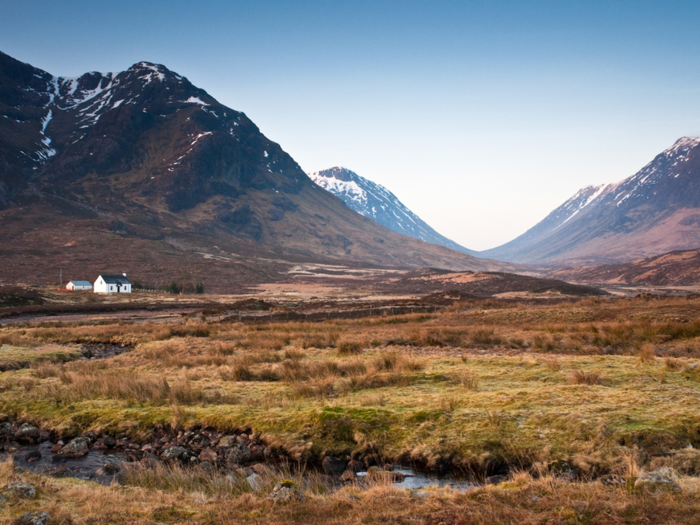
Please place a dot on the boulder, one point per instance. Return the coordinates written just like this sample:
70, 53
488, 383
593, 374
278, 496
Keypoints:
228, 441
661, 480
27, 433
109, 442
238, 454
198, 442
286, 491
495, 480
108, 469
173, 453
356, 466
11, 447
254, 481
76, 448
33, 518
5, 430
346, 476
208, 455
333, 465
20, 490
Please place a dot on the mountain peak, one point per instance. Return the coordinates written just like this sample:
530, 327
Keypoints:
379, 204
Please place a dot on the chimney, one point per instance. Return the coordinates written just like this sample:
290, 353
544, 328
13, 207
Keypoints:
124, 274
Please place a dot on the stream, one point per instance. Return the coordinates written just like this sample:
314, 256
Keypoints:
103, 466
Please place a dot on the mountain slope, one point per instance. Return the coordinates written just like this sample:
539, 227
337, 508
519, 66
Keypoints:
656, 210
104, 169
379, 204
679, 268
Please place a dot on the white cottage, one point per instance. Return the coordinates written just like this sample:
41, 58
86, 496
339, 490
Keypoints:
79, 285
112, 284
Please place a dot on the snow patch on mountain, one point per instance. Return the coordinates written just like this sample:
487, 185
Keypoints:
379, 204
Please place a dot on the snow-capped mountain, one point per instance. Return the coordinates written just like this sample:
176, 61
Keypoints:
379, 204
657, 210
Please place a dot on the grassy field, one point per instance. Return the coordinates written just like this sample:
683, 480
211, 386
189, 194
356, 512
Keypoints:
601, 386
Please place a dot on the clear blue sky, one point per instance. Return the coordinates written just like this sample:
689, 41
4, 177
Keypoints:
481, 116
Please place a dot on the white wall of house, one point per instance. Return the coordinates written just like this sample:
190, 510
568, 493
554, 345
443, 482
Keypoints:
101, 286
71, 286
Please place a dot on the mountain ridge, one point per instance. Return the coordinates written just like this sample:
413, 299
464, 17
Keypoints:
375, 201
652, 212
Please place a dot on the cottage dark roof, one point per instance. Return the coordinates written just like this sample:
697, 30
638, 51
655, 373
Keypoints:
115, 279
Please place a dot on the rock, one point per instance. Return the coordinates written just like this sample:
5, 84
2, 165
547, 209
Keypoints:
286, 491
109, 442
562, 469
147, 448
243, 439
5, 430
355, 466
27, 433
56, 448
346, 476
238, 454
3, 500
20, 490
62, 472
495, 480
33, 518
174, 453
44, 436
198, 442
259, 468
208, 455
108, 469
32, 456
76, 448
228, 441
693, 367
254, 481
11, 447
659, 481
612, 481
333, 465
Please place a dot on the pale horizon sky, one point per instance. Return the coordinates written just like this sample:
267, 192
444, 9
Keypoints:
482, 117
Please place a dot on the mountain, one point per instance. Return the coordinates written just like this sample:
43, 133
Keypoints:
142, 171
657, 210
679, 268
379, 204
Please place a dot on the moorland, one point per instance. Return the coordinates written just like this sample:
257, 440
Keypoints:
550, 412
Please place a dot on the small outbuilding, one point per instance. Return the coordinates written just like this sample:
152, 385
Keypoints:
112, 284
79, 285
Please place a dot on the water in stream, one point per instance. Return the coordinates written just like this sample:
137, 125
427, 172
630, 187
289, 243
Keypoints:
95, 466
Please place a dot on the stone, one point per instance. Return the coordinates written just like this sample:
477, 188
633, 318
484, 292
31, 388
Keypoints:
20, 490
495, 480
260, 468
173, 453
355, 466
208, 455
11, 447
76, 448
108, 469
33, 518
27, 433
333, 465
286, 491
243, 439
228, 441
5, 430
254, 481
56, 447
238, 454
3, 500
661, 480
198, 442
346, 476
693, 367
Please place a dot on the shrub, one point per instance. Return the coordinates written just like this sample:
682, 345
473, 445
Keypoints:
580, 377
